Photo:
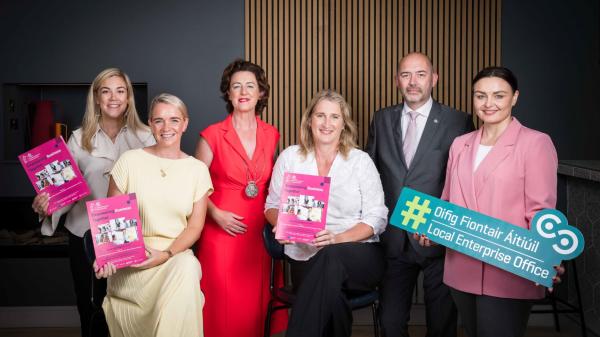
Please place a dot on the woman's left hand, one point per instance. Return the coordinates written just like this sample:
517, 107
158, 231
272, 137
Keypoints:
324, 238
105, 271
423, 240
155, 258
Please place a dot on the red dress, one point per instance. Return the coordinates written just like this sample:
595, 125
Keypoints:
235, 270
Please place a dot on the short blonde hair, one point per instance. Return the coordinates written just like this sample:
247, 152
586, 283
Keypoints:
349, 133
91, 118
171, 100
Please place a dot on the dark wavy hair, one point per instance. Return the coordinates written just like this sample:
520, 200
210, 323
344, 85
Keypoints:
500, 72
261, 78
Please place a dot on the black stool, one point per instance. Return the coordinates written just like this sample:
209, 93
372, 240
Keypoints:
565, 306
98, 314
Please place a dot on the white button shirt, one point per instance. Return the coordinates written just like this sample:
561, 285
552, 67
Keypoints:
95, 167
355, 194
421, 119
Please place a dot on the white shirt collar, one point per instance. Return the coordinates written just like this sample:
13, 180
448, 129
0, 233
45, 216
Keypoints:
99, 130
423, 110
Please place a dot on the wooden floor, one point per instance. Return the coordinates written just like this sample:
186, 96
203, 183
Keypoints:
419, 331
357, 331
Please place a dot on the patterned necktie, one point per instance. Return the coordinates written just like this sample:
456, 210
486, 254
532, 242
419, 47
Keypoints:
410, 142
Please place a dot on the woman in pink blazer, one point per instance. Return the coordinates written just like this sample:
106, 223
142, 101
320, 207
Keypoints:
507, 171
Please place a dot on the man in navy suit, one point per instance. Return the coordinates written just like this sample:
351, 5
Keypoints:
409, 144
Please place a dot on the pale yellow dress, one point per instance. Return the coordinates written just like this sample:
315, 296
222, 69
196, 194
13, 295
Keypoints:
165, 300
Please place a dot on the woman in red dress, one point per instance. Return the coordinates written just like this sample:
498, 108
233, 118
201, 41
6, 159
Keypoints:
239, 152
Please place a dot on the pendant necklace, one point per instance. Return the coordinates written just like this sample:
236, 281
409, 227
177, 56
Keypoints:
163, 171
251, 189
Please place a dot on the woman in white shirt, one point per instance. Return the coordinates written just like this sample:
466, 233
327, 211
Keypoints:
110, 126
345, 256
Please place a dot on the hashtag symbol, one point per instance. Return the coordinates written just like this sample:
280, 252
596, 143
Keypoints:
415, 212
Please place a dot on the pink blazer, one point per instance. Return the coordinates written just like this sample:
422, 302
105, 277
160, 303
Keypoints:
515, 180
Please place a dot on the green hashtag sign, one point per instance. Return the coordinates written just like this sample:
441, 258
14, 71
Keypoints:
415, 212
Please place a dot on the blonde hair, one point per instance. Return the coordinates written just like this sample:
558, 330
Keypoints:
92, 116
349, 133
170, 99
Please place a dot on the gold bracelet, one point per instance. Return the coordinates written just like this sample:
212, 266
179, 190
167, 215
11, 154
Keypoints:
169, 252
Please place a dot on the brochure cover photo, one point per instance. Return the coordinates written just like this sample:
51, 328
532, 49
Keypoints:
116, 230
50, 168
303, 210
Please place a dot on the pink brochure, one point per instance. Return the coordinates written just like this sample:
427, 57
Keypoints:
51, 168
116, 230
303, 207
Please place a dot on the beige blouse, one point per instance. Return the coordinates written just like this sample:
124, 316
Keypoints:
95, 167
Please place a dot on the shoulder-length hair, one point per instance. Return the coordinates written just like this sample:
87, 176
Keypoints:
92, 116
349, 133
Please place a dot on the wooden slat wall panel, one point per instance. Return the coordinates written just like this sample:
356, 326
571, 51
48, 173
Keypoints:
353, 46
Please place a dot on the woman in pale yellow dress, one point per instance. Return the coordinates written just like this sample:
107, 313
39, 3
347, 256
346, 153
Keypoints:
160, 296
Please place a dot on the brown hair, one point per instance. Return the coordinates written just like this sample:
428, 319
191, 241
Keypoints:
261, 78
500, 72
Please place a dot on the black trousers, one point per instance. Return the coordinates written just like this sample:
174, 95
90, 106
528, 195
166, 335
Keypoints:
91, 317
321, 307
397, 295
487, 316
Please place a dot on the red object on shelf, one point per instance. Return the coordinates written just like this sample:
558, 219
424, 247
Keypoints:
42, 123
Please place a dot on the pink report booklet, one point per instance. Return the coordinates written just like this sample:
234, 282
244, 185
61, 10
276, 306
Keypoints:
50, 168
116, 230
303, 207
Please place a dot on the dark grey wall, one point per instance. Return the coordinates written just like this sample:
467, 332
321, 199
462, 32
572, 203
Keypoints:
178, 46
181, 46
553, 48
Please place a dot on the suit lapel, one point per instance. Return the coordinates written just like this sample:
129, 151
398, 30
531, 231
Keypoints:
431, 127
397, 129
464, 168
499, 152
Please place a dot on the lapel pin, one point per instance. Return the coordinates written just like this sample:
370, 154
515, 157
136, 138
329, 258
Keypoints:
435, 120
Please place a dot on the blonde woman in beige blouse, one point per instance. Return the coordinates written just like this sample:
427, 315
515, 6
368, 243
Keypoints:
110, 126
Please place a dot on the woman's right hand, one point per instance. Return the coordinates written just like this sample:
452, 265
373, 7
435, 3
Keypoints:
40, 204
283, 242
105, 271
229, 221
